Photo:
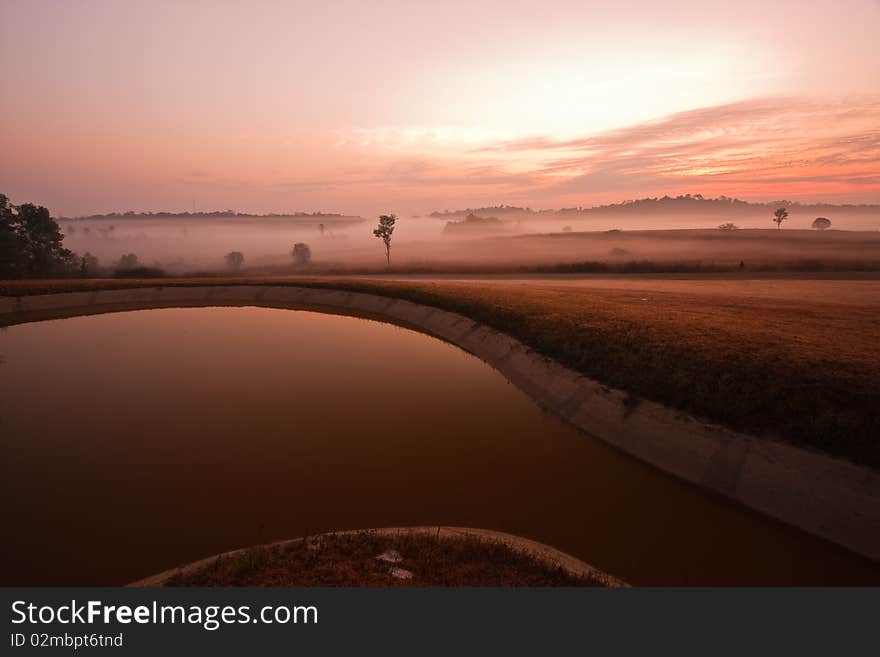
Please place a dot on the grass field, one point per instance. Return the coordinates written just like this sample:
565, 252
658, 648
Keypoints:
595, 252
196, 248
786, 358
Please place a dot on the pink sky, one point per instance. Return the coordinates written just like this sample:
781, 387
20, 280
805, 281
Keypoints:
414, 106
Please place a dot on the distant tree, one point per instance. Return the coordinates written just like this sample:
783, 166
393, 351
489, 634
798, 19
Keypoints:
728, 226
302, 254
31, 243
821, 223
88, 264
234, 259
127, 261
384, 231
780, 215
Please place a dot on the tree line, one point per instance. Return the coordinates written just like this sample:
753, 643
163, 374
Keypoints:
32, 245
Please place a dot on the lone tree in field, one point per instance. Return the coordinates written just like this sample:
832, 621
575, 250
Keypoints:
821, 223
302, 254
779, 216
728, 227
384, 231
234, 259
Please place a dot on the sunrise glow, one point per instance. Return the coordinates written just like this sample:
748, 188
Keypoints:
350, 108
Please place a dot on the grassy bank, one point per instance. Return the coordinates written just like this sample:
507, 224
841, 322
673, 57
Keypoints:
799, 365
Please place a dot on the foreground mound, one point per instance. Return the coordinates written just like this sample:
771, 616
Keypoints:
387, 558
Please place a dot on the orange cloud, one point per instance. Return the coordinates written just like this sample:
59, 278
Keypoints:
759, 147
764, 148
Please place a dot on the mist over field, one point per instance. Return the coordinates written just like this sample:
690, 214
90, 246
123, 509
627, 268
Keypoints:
501, 236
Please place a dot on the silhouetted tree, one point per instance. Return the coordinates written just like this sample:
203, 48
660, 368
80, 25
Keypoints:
779, 216
234, 259
728, 226
127, 261
821, 223
10, 249
384, 231
88, 264
31, 243
302, 254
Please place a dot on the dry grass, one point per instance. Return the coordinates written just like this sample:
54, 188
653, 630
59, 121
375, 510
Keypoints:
791, 360
350, 559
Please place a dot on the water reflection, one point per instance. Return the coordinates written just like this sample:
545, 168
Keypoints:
136, 441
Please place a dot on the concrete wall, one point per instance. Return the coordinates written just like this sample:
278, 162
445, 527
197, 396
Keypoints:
826, 497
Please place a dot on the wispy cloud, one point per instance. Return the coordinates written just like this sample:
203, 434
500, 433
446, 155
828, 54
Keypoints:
792, 147
781, 144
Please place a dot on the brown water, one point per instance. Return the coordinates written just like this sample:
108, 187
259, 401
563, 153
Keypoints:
134, 442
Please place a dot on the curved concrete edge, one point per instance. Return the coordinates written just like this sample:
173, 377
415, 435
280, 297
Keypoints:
539, 551
833, 499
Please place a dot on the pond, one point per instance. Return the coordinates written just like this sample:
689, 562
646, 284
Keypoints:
136, 441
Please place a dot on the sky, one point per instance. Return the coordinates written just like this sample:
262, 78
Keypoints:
368, 107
